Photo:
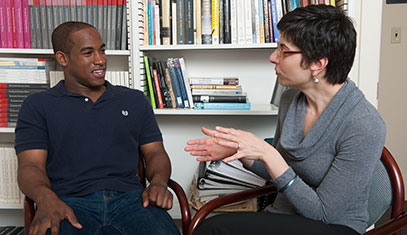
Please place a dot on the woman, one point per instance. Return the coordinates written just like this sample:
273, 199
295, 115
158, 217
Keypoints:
328, 139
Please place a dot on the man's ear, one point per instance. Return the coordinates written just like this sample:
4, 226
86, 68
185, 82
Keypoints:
318, 66
62, 58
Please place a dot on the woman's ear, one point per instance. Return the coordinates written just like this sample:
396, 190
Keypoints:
318, 66
62, 58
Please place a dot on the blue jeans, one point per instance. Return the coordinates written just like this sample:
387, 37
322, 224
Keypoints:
111, 212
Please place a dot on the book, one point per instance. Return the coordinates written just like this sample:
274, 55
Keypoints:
198, 22
158, 88
171, 89
189, 22
149, 81
214, 80
215, 21
174, 82
206, 22
216, 92
222, 106
220, 99
186, 81
181, 83
180, 22
165, 25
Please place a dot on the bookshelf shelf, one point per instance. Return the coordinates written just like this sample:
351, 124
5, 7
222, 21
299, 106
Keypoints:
209, 47
256, 109
31, 52
11, 205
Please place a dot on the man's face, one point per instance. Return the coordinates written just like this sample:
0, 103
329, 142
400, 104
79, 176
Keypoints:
86, 63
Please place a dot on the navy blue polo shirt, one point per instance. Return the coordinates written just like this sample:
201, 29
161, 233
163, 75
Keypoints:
91, 146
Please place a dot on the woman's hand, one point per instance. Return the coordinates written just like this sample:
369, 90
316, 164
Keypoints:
208, 148
248, 145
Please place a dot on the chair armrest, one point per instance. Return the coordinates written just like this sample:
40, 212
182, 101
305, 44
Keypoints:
28, 213
221, 201
184, 206
392, 226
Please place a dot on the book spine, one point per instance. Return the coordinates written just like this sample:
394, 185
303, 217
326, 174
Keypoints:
189, 22
186, 81
255, 22
181, 83
227, 22
261, 20
3, 34
26, 24
216, 92
206, 20
233, 21
174, 81
157, 35
165, 27
198, 22
171, 88
19, 23
157, 85
214, 81
248, 22
221, 21
8, 24
219, 99
114, 25
50, 21
174, 21
274, 20
181, 22
149, 81
222, 106
13, 14
266, 22
241, 26
215, 21
120, 12
44, 25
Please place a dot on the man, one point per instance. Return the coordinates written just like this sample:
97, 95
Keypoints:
77, 146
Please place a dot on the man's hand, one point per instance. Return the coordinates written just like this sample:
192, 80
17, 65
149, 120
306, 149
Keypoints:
157, 195
208, 148
49, 216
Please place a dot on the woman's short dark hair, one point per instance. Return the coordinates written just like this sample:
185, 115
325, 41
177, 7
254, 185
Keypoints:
322, 31
61, 36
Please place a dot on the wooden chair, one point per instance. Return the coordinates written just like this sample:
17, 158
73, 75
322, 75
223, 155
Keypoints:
398, 216
29, 210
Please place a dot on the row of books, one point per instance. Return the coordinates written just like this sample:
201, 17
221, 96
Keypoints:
216, 179
171, 22
19, 78
119, 78
9, 190
29, 23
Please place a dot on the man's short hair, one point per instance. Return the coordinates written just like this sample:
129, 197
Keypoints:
61, 36
322, 31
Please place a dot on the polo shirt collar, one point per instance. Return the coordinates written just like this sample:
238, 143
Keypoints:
60, 90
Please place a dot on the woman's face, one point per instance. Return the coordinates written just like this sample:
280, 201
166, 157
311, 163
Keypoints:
287, 59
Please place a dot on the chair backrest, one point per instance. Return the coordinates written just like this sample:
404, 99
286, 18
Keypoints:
386, 189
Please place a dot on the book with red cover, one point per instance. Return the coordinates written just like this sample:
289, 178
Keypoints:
26, 24
158, 89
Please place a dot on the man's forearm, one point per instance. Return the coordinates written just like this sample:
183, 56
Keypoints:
34, 183
158, 169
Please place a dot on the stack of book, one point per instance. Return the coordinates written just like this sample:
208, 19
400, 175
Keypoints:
218, 93
19, 78
218, 179
9, 191
167, 83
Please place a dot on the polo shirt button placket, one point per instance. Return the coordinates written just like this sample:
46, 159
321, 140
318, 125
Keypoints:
86, 99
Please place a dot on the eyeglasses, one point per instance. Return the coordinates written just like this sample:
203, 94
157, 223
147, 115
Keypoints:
281, 51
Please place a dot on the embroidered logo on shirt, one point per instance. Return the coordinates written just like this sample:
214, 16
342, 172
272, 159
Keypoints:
125, 113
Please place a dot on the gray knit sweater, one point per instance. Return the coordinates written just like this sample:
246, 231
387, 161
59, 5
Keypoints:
334, 161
